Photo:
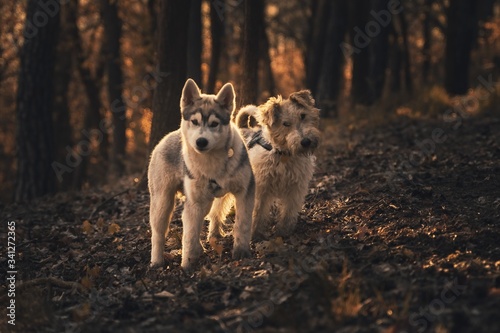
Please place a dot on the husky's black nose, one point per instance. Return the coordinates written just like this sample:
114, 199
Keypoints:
305, 142
201, 143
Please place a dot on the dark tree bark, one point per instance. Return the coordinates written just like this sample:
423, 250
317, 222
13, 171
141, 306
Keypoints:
194, 45
173, 26
248, 87
217, 36
379, 49
172, 54
112, 35
62, 78
316, 42
406, 52
34, 136
265, 59
460, 35
396, 59
426, 48
332, 62
153, 15
93, 120
360, 92
370, 40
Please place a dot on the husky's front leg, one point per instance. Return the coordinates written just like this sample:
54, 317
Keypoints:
196, 207
162, 205
243, 223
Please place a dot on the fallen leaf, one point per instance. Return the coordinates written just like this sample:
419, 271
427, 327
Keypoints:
100, 223
81, 312
164, 294
113, 228
86, 283
217, 247
94, 271
87, 227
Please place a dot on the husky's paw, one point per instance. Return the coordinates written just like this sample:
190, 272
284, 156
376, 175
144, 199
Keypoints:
156, 264
240, 253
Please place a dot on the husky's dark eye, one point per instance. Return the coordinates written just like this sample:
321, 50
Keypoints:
287, 124
213, 124
302, 116
194, 122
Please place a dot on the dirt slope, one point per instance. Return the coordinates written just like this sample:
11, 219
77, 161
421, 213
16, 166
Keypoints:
400, 232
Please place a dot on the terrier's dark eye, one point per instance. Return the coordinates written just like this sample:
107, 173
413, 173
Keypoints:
302, 116
194, 122
287, 124
213, 124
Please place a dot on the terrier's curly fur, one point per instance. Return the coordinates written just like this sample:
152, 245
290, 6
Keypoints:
281, 137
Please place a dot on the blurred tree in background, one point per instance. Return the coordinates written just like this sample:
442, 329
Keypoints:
99, 82
35, 102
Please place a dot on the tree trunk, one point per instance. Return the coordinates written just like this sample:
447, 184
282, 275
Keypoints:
332, 61
360, 92
62, 77
460, 36
112, 35
406, 52
379, 48
316, 42
93, 120
426, 48
396, 60
173, 30
217, 36
153, 16
267, 70
35, 141
173, 26
248, 87
194, 47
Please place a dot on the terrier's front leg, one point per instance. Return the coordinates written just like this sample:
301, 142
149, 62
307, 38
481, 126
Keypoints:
217, 216
261, 215
288, 216
243, 223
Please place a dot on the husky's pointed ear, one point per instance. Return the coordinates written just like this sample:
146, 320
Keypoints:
303, 98
190, 93
226, 97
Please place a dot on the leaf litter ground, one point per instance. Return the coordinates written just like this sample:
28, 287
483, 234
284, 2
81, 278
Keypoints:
395, 236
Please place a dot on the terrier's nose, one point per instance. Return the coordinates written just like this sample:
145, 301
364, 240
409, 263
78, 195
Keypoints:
201, 143
305, 142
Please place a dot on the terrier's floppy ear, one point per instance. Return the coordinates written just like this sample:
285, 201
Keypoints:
303, 98
226, 97
270, 111
190, 93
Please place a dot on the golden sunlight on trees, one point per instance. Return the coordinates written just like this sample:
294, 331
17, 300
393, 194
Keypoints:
109, 73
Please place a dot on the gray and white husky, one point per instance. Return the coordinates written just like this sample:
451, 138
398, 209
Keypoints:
205, 159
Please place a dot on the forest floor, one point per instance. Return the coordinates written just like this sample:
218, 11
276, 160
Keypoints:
400, 233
